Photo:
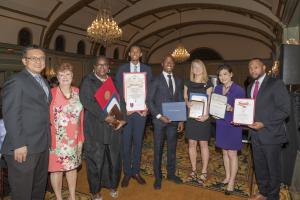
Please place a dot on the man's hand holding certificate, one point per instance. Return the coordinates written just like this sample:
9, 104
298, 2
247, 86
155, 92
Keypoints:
243, 113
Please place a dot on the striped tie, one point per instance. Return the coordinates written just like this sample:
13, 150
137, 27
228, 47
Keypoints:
39, 79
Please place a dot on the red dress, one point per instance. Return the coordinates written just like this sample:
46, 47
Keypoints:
66, 116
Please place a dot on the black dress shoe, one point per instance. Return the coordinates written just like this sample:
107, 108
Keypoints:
139, 179
175, 179
157, 184
125, 181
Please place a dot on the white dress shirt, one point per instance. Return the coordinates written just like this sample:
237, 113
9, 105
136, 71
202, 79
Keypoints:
132, 66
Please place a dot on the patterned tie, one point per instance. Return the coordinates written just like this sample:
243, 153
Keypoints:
39, 79
255, 91
170, 84
135, 68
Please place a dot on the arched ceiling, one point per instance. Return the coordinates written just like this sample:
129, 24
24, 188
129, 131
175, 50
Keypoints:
153, 24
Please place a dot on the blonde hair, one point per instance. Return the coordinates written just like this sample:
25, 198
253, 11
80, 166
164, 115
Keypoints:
204, 76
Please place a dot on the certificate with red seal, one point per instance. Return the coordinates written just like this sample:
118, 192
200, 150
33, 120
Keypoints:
243, 112
135, 91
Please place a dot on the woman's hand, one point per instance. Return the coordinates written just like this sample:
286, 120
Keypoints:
229, 108
120, 125
189, 104
202, 118
110, 119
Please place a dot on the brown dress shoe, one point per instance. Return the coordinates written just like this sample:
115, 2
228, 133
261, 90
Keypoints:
139, 179
125, 181
258, 197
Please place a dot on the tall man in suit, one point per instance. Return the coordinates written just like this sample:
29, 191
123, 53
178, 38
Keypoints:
165, 88
26, 100
268, 132
132, 137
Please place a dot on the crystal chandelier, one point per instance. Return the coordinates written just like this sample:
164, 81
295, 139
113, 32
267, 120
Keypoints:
104, 29
180, 54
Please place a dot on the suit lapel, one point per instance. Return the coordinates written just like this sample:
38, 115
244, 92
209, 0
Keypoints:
37, 85
262, 86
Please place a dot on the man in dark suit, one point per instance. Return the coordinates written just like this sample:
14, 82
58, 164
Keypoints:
268, 132
132, 136
26, 99
165, 88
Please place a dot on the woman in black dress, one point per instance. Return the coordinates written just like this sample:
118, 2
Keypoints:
198, 130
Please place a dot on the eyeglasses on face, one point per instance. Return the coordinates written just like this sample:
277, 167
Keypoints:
102, 65
35, 59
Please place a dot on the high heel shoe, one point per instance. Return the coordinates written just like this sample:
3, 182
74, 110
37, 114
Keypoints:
228, 192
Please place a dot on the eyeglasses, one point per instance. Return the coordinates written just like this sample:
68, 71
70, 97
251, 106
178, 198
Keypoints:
102, 65
35, 59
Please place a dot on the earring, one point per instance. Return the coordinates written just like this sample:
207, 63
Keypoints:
108, 71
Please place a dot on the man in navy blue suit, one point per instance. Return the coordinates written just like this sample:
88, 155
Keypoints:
165, 88
132, 137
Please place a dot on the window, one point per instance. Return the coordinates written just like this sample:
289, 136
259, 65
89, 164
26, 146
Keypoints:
24, 37
116, 53
102, 51
81, 47
60, 43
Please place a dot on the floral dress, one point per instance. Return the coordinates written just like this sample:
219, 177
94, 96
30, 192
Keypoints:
66, 117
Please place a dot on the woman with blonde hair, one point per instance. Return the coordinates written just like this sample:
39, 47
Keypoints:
198, 129
66, 117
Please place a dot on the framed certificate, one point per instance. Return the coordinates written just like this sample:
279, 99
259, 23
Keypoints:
244, 111
135, 91
197, 109
200, 97
175, 111
217, 106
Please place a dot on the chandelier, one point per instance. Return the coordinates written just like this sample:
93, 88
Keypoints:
104, 29
180, 54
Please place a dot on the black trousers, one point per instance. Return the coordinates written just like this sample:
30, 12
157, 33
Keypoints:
28, 180
160, 133
267, 168
103, 162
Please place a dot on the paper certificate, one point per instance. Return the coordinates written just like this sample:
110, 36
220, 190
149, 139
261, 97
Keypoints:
243, 111
218, 105
197, 109
135, 91
200, 97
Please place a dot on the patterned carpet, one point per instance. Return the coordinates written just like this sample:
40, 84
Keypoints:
65, 194
215, 168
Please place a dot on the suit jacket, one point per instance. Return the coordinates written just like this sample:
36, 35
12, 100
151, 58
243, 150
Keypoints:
160, 93
96, 130
26, 114
272, 108
125, 68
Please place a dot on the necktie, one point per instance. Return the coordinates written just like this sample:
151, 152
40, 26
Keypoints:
255, 91
135, 68
170, 84
42, 84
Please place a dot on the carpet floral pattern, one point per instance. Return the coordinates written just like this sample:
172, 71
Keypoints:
215, 167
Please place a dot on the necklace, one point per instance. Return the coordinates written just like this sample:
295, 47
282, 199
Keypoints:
225, 89
71, 93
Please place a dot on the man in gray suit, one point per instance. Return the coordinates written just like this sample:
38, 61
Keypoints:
26, 99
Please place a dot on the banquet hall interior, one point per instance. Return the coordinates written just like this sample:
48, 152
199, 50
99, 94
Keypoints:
217, 32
